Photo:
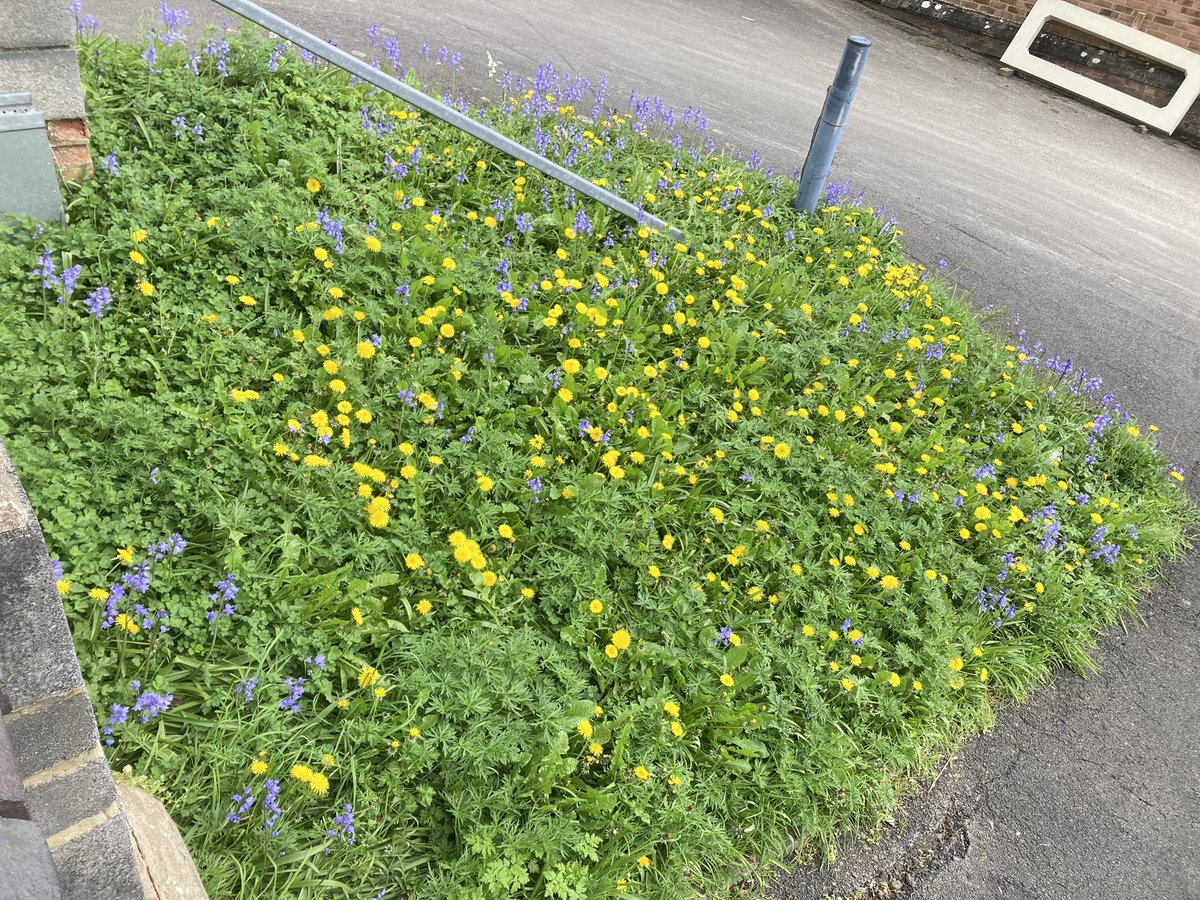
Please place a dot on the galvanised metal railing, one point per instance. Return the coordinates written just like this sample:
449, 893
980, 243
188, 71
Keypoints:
424, 102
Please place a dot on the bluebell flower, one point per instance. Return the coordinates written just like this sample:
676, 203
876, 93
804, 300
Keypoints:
99, 301
295, 688
150, 704
245, 803
46, 270
271, 805
535, 485
246, 689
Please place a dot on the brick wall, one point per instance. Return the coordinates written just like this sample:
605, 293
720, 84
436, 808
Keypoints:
988, 26
55, 785
1175, 21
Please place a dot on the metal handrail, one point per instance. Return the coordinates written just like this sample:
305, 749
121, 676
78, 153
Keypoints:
422, 101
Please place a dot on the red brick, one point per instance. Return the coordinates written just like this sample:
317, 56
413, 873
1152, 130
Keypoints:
68, 131
74, 161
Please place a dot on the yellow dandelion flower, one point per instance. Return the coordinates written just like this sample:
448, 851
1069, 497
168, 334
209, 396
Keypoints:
378, 512
621, 639
368, 677
301, 773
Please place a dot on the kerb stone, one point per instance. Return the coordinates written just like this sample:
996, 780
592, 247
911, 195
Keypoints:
168, 866
68, 799
26, 867
13, 802
52, 76
37, 656
99, 865
53, 731
35, 24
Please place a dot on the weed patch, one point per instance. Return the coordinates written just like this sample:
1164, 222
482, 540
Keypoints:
425, 527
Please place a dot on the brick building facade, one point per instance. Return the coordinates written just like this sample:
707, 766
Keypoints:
1174, 21
988, 26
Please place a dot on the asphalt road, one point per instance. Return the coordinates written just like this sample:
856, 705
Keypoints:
1057, 212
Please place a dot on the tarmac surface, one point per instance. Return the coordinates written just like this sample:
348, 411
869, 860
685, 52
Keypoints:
1058, 213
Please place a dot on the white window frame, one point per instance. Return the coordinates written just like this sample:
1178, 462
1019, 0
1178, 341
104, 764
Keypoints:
1164, 118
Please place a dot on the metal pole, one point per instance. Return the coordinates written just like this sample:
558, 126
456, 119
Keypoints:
829, 127
344, 60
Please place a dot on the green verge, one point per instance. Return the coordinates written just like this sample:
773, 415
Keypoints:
609, 565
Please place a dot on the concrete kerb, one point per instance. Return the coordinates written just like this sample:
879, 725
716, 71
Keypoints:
166, 867
53, 28
51, 75
26, 870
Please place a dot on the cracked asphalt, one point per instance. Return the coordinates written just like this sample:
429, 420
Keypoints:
1055, 211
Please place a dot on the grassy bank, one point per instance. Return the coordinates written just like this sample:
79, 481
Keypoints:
425, 528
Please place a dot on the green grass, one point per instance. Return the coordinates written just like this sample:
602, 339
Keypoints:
524, 692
